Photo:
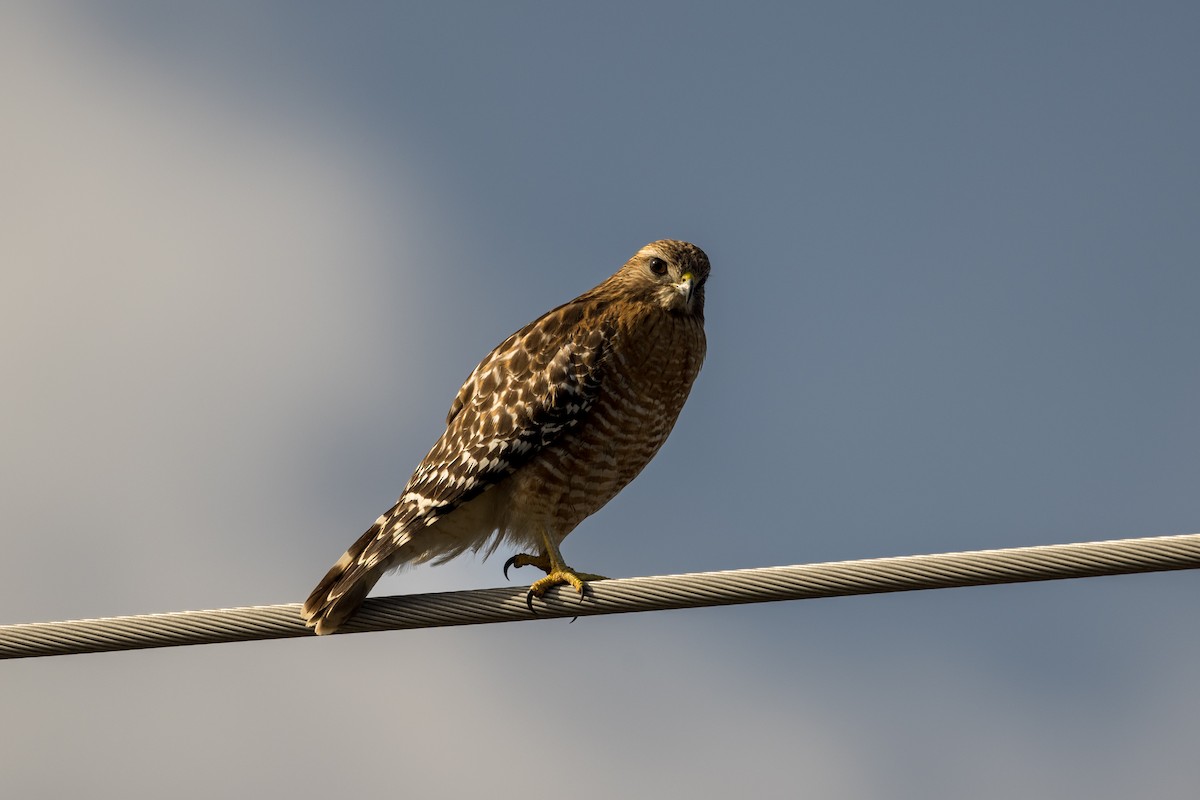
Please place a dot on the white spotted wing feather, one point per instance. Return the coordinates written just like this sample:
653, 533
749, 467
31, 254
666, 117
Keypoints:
536, 384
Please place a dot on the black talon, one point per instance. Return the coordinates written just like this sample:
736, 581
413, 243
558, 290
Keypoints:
529, 602
508, 564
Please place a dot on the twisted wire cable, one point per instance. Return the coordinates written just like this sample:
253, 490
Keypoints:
617, 596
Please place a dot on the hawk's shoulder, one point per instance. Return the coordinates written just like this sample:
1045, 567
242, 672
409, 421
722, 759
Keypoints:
531, 389
560, 351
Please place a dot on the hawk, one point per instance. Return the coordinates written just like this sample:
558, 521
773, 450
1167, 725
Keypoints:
550, 426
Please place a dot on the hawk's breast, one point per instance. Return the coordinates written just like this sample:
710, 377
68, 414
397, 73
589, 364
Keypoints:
649, 367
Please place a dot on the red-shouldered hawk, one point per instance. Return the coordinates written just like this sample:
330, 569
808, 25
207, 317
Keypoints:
546, 430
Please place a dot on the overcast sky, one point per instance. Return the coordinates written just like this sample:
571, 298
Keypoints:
250, 251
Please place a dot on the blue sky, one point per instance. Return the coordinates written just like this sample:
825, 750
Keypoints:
252, 251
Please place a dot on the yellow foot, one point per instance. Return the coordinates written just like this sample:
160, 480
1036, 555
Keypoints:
561, 577
542, 562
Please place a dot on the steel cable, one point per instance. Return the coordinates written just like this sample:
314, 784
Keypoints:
618, 596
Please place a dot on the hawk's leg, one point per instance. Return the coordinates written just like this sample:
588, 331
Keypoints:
557, 571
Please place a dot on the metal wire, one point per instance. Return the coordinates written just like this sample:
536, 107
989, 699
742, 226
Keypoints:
507, 604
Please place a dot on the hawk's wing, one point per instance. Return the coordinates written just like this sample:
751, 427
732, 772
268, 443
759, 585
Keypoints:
536, 384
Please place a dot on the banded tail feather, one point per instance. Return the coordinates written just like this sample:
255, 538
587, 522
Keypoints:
345, 585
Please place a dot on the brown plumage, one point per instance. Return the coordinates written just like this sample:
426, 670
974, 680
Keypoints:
555, 421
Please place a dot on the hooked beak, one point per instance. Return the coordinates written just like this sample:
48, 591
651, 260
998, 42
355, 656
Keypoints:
686, 287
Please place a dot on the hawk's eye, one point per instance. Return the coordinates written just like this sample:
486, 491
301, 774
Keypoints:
658, 266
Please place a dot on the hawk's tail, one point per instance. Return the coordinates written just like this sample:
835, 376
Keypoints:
344, 587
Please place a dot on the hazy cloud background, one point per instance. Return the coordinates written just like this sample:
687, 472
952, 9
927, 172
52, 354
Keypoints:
250, 252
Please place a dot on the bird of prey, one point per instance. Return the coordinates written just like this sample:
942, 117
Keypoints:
556, 420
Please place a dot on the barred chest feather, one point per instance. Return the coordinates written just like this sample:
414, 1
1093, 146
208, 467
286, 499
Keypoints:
653, 359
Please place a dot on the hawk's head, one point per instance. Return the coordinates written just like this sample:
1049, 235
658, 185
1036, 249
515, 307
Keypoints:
669, 273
